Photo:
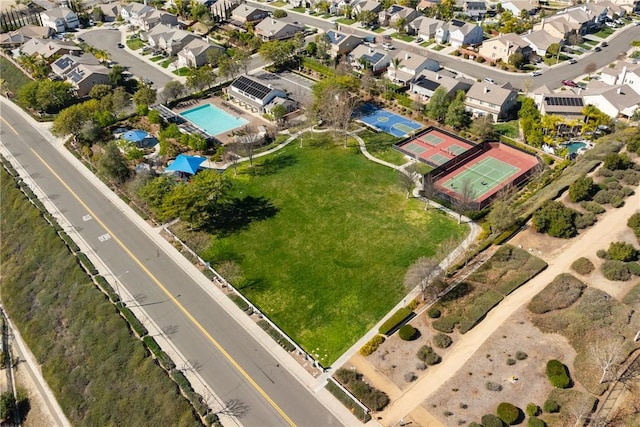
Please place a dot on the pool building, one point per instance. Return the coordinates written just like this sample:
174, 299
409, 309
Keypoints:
250, 93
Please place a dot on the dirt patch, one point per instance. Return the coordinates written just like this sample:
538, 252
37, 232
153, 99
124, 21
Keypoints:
465, 396
38, 415
541, 245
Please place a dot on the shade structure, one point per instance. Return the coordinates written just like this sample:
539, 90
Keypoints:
135, 135
186, 164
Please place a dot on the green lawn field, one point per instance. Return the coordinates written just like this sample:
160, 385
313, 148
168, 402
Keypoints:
329, 260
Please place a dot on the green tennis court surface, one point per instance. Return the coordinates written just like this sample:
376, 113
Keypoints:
415, 148
432, 139
456, 149
483, 176
438, 159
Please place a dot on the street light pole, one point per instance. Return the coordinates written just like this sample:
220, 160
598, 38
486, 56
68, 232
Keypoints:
118, 283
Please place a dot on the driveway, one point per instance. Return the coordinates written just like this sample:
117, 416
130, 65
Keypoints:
108, 40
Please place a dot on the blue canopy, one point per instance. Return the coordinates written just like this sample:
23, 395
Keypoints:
135, 135
187, 164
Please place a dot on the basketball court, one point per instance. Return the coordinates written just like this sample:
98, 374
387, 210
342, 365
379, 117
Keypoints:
387, 121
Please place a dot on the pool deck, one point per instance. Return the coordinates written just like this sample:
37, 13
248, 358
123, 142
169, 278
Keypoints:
225, 137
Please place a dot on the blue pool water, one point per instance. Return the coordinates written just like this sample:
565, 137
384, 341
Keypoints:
573, 147
212, 120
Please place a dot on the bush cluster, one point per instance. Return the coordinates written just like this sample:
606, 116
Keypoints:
491, 420
557, 374
593, 207
428, 356
371, 397
533, 410
536, 422
622, 251
634, 268
615, 270
561, 293
582, 266
492, 386
441, 340
551, 406
446, 324
371, 345
581, 189
555, 219
634, 224
347, 401
433, 313
392, 322
508, 413
407, 333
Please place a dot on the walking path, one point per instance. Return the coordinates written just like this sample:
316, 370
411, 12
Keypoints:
586, 244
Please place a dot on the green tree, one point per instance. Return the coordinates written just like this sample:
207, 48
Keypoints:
100, 91
457, 115
278, 112
70, 121
201, 78
154, 191
367, 17
555, 219
622, 251
581, 189
173, 90
97, 14
517, 59
483, 128
501, 217
120, 100
27, 94
438, 105
279, 13
116, 75
144, 96
617, 161
54, 95
553, 49
7, 405
112, 165
278, 52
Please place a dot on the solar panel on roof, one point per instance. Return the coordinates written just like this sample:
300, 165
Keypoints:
564, 101
373, 59
64, 62
250, 87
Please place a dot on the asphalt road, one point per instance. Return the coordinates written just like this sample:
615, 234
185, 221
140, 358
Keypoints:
133, 256
108, 40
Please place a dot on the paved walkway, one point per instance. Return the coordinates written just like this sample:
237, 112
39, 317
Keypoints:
586, 244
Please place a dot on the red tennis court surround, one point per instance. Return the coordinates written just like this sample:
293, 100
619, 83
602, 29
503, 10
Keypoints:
434, 146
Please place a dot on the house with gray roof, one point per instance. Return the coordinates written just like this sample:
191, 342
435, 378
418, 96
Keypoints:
409, 65
427, 81
246, 14
196, 53
168, 39
363, 57
464, 33
475, 9
395, 12
425, 27
49, 48
146, 17
365, 6
341, 43
489, 99
63, 65
274, 29
517, 6
567, 105
84, 77
60, 19
614, 101
502, 47
540, 41
13, 39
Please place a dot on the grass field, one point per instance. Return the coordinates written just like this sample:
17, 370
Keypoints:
603, 34
510, 128
135, 44
329, 261
403, 37
380, 145
100, 374
14, 78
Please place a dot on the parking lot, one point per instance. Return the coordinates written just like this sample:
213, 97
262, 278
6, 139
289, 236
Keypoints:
298, 87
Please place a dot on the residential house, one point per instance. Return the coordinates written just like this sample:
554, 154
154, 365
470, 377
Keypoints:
568, 106
558, 28
623, 73
60, 19
426, 4
517, 6
246, 14
540, 41
425, 27
17, 38
63, 65
475, 9
84, 77
580, 19
427, 81
629, 6
369, 57
273, 29
146, 17
409, 65
196, 53
606, 10
49, 48
167, 39
251, 93
489, 99
464, 33
366, 6
614, 101
502, 47
340, 43
395, 13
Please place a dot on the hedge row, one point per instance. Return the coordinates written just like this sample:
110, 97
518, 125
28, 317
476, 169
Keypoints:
392, 322
73, 247
163, 358
187, 391
137, 327
347, 401
481, 306
240, 302
106, 288
446, 324
372, 345
86, 264
371, 397
318, 67
277, 336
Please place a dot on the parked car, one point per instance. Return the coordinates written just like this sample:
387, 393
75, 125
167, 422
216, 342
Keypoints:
80, 39
419, 40
388, 46
120, 45
598, 49
489, 80
569, 83
573, 61
536, 74
604, 44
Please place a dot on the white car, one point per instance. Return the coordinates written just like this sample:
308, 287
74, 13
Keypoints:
489, 80
536, 74
388, 46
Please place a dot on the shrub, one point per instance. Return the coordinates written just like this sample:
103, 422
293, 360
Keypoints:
551, 406
491, 386
434, 313
421, 366
557, 374
617, 161
582, 266
563, 291
615, 270
446, 324
441, 340
585, 220
491, 420
602, 254
479, 309
533, 410
346, 376
555, 219
279, 13
410, 377
428, 356
241, 303
511, 361
581, 189
634, 268
616, 201
593, 207
154, 117
276, 335
347, 401
622, 251
375, 399
372, 345
634, 224
508, 413
474, 424
536, 422
398, 317
407, 333
521, 355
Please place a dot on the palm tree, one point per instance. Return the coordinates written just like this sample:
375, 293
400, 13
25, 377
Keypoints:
395, 63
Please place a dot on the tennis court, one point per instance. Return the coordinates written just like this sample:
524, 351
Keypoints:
482, 177
387, 121
434, 146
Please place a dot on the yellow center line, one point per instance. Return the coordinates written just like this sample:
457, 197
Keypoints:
10, 127
170, 296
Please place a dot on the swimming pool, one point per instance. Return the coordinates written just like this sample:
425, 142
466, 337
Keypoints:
213, 120
574, 146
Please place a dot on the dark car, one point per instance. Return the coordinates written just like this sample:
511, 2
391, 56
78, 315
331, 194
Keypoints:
569, 83
598, 49
120, 45
80, 39
604, 44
